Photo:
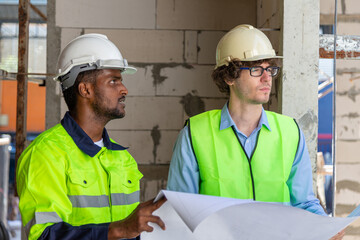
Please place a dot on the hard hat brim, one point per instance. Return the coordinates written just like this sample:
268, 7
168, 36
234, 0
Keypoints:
129, 70
225, 62
257, 58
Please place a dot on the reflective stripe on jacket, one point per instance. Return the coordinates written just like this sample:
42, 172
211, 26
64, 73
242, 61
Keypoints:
226, 170
58, 182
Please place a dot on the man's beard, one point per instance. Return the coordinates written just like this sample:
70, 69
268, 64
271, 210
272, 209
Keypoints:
105, 113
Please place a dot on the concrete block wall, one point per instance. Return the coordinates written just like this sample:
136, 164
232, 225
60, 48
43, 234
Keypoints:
269, 18
347, 195
172, 43
347, 143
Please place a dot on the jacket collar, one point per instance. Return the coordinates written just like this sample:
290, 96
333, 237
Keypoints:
83, 141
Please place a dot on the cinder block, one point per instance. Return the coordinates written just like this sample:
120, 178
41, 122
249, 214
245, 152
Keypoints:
165, 149
209, 104
145, 147
345, 83
346, 196
347, 72
106, 14
347, 102
269, 14
147, 46
341, 63
154, 171
204, 14
139, 143
143, 113
352, 7
348, 28
328, 7
141, 83
348, 171
347, 184
275, 39
150, 188
207, 43
181, 80
347, 151
191, 51
348, 128
214, 103
68, 34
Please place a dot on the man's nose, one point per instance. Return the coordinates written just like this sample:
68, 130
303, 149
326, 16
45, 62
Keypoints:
266, 76
124, 90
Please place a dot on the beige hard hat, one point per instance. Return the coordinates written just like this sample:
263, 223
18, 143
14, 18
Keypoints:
88, 52
245, 43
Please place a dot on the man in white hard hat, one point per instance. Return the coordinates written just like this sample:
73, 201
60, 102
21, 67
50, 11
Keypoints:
243, 151
74, 182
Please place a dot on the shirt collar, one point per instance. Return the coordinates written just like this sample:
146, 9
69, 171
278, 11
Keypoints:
227, 121
83, 141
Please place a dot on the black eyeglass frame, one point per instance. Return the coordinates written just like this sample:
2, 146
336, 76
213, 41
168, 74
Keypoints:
271, 68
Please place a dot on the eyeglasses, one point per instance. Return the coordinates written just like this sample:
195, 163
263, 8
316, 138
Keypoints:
257, 71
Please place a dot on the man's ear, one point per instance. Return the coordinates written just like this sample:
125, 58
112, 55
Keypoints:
229, 82
85, 89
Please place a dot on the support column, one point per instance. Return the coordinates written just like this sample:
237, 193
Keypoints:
52, 109
299, 88
21, 77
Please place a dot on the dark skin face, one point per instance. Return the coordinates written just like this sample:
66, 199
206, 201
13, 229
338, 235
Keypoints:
99, 102
109, 96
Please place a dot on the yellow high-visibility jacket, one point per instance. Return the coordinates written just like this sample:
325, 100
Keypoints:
64, 177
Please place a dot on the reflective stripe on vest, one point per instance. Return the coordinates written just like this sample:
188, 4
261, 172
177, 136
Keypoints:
125, 199
40, 218
225, 169
82, 201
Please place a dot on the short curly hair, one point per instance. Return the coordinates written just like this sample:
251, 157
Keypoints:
231, 72
70, 94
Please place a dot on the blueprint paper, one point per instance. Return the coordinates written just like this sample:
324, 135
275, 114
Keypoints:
200, 217
194, 208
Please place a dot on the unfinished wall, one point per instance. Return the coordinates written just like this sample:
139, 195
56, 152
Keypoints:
300, 46
347, 195
269, 19
172, 43
347, 144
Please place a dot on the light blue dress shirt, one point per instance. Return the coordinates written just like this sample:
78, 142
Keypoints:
184, 170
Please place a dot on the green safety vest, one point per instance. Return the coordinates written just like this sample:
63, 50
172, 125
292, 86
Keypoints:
226, 170
57, 182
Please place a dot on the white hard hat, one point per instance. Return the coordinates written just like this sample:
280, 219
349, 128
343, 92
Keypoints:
245, 43
88, 52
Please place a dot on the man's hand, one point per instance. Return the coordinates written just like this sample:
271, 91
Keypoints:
339, 235
137, 221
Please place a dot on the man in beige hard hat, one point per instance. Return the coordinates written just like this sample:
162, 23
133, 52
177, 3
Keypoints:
74, 182
243, 151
